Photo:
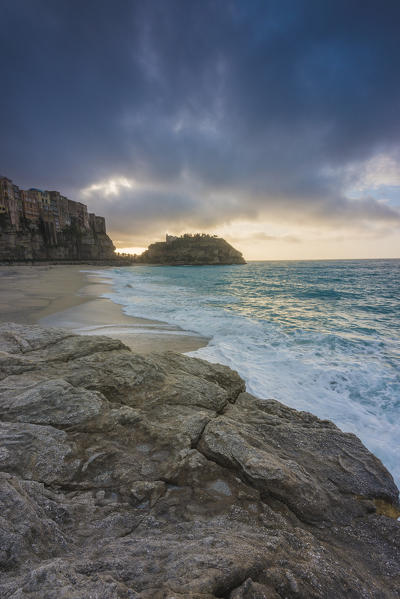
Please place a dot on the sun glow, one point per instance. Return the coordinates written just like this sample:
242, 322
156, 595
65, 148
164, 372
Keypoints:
131, 250
109, 186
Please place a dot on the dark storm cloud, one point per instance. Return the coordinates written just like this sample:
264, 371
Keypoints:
219, 110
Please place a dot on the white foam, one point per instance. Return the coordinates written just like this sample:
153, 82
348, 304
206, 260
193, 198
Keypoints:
334, 376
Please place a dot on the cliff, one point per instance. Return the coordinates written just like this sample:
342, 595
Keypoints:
38, 242
191, 249
158, 477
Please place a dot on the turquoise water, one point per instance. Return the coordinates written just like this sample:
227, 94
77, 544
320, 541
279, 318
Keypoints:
321, 336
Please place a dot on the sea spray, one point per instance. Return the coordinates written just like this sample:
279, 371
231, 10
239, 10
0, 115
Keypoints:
320, 336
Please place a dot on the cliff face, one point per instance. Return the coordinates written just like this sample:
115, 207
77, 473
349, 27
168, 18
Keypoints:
156, 477
39, 243
197, 249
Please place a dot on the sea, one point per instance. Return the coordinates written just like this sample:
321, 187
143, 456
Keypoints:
319, 336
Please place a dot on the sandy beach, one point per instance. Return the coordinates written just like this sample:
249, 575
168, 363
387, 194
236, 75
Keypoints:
70, 297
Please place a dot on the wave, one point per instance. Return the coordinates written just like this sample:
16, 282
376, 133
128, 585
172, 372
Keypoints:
332, 365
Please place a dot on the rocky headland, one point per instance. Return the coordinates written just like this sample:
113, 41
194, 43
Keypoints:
40, 225
35, 244
198, 249
130, 476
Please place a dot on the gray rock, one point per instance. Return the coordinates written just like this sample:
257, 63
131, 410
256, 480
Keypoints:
125, 476
297, 459
53, 402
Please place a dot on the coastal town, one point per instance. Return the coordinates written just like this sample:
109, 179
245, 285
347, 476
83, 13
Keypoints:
29, 207
42, 225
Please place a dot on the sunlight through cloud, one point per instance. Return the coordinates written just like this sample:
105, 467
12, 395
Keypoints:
109, 186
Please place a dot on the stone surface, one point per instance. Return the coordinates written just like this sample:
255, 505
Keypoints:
32, 243
130, 476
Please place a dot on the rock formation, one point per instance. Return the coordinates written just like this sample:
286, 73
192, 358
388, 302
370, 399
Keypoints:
191, 249
38, 224
158, 477
34, 243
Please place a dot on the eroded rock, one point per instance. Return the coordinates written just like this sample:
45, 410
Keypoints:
124, 476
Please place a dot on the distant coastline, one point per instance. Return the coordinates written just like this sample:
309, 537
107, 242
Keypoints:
40, 227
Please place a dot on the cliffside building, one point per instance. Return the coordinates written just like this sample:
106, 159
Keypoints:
30, 207
170, 238
50, 207
97, 223
60, 210
54, 220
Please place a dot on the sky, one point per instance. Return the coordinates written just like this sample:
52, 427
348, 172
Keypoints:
274, 123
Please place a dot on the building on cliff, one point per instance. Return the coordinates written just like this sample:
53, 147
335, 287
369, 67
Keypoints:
38, 224
60, 210
170, 238
198, 248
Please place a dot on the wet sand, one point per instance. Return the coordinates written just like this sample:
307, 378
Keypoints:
66, 297
29, 293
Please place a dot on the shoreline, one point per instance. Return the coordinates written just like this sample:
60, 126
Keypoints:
70, 298
30, 293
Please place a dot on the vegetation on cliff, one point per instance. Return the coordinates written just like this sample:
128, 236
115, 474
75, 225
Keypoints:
198, 249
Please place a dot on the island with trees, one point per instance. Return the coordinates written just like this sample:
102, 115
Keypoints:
193, 249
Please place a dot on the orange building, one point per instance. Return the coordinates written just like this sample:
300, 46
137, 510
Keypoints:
42, 199
55, 211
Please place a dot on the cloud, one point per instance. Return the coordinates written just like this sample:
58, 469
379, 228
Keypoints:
266, 237
108, 187
165, 115
382, 170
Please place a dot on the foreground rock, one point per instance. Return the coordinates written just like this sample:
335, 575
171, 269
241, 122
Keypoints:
124, 476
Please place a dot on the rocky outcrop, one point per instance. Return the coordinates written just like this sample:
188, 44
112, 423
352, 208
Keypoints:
35, 243
192, 249
130, 476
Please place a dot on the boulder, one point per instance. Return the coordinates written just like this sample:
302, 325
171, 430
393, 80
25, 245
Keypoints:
130, 476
